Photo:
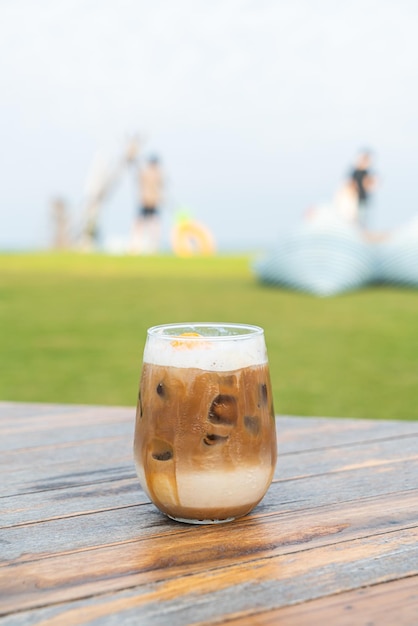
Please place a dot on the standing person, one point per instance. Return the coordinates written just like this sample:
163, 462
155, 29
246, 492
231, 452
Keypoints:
146, 237
364, 182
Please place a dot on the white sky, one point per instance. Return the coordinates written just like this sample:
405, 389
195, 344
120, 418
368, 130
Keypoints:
257, 108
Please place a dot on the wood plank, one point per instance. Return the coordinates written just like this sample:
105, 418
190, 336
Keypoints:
315, 433
42, 506
159, 549
282, 497
386, 604
52, 466
104, 463
61, 431
65, 466
215, 593
296, 433
81, 542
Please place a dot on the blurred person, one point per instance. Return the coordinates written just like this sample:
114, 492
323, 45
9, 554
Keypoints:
364, 182
147, 227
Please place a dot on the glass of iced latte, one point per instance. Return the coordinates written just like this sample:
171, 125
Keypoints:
205, 439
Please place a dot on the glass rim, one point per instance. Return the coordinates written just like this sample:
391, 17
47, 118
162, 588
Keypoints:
243, 331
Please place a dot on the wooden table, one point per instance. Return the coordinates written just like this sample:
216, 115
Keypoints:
335, 540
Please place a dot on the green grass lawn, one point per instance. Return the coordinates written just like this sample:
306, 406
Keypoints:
72, 329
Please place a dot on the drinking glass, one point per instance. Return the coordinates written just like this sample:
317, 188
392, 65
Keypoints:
205, 437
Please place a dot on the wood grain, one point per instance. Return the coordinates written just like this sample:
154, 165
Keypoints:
40, 579
79, 540
63, 492
386, 604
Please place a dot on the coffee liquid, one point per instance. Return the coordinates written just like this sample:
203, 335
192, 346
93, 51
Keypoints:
205, 441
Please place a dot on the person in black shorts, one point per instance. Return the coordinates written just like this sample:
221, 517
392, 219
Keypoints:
146, 237
364, 182
148, 211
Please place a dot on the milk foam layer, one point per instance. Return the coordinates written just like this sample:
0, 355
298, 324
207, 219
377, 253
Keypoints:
205, 353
